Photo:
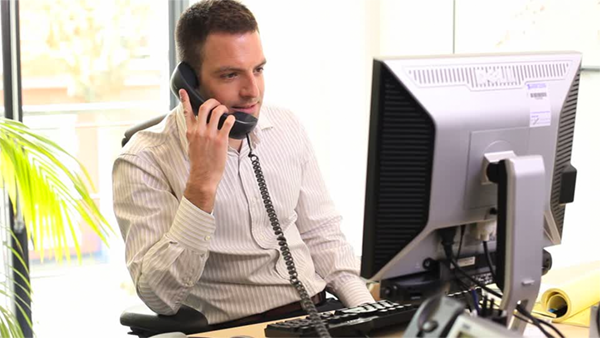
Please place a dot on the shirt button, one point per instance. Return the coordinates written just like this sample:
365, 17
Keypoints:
207, 238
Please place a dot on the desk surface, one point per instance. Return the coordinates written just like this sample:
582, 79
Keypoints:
258, 331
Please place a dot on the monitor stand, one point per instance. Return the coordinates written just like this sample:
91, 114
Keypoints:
520, 231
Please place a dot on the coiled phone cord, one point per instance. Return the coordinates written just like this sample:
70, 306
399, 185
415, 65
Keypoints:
305, 301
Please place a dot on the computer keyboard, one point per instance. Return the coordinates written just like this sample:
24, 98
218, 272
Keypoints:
348, 322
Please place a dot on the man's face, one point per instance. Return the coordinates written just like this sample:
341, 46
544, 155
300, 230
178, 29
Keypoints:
232, 71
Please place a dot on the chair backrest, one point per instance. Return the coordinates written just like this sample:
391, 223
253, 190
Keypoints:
140, 126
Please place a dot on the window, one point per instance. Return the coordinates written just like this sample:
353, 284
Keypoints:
90, 70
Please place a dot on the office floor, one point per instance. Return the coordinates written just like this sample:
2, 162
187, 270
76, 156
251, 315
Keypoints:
81, 300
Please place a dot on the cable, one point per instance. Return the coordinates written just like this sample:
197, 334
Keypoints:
535, 321
476, 301
460, 243
528, 321
554, 328
492, 303
541, 322
488, 258
521, 310
524, 319
447, 235
484, 309
305, 301
476, 282
464, 288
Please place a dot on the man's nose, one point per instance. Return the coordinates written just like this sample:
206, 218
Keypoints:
250, 88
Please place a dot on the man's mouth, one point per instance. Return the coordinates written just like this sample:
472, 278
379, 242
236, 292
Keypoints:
248, 109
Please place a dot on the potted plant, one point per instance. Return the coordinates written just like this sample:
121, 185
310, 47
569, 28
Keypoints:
51, 189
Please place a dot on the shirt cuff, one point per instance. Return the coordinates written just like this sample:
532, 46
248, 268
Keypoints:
353, 292
192, 227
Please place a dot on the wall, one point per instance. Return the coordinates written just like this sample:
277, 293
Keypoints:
319, 57
545, 25
319, 64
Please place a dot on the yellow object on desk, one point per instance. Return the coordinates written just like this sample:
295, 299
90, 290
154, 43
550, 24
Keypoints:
569, 293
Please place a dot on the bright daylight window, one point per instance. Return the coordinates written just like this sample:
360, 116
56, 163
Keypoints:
90, 69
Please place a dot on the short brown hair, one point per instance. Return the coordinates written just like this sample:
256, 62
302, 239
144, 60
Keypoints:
205, 17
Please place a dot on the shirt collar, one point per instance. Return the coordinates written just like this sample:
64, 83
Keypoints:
263, 124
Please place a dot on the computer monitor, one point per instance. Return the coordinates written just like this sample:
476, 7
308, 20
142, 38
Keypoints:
436, 123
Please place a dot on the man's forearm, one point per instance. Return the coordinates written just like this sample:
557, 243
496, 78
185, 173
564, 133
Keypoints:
201, 196
168, 274
351, 290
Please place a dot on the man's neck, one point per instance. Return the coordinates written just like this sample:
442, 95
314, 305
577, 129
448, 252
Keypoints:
235, 144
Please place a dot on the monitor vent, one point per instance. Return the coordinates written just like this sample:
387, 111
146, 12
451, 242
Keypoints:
405, 134
490, 76
564, 145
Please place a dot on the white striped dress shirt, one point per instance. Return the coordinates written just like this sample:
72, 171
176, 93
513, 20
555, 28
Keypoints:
227, 264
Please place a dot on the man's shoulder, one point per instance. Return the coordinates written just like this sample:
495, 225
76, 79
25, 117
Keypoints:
279, 116
154, 138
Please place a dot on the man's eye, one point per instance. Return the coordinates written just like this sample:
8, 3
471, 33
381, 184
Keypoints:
259, 69
229, 75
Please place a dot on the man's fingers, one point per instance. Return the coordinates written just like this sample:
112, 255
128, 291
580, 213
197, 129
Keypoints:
190, 119
224, 132
205, 109
215, 116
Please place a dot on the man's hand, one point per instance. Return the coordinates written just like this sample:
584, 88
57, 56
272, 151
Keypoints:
207, 150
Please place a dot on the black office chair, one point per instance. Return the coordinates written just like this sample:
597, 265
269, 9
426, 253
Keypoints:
140, 126
144, 322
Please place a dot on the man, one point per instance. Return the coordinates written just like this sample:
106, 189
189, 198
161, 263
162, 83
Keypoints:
187, 200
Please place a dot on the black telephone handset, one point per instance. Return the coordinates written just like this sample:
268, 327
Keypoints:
184, 77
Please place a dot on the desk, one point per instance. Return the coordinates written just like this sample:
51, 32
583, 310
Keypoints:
258, 331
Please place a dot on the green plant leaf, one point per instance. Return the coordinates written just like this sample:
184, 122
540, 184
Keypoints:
26, 288
10, 317
51, 188
77, 249
17, 297
6, 326
11, 324
19, 248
